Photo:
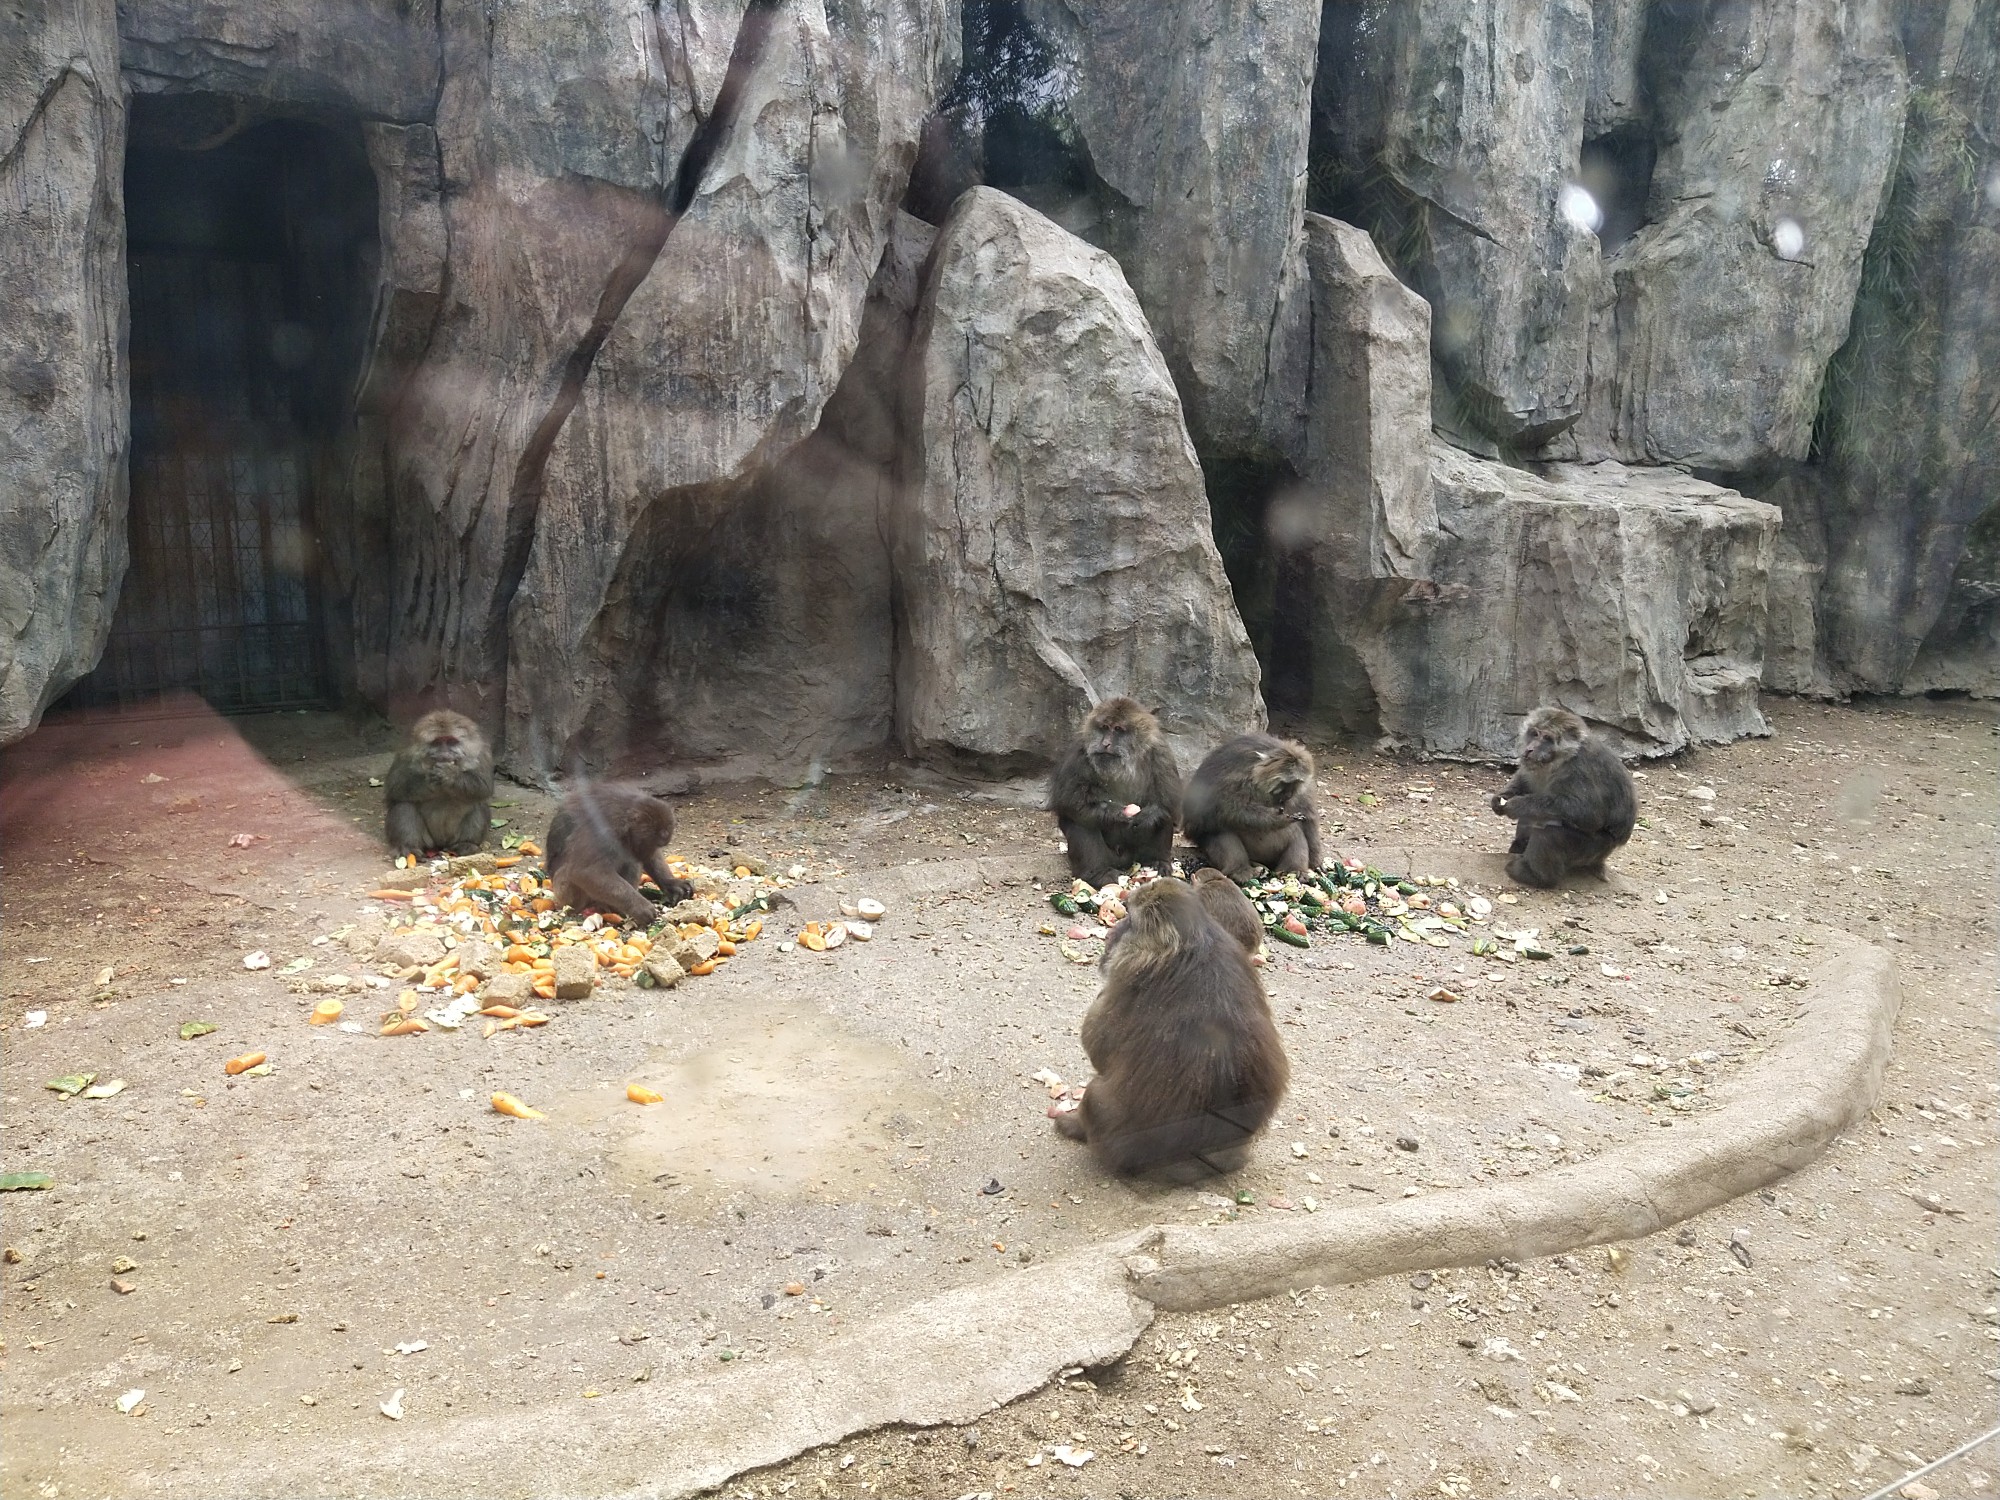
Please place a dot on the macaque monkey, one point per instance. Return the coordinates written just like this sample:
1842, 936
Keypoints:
1189, 1066
1226, 903
1572, 801
439, 788
601, 838
1116, 794
1250, 804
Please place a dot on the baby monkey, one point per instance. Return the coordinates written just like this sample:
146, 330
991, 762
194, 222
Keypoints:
601, 837
439, 788
1572, 800
1250, 803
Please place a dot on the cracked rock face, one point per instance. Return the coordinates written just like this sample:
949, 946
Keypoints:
1463, 120
64, 425
1206, 164
1055, 547
1778, 130
676, 563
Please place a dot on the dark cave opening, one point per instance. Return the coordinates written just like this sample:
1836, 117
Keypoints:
1617, 171
251, 263
1272, 579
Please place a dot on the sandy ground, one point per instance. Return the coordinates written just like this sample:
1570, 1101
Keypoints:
864, 1125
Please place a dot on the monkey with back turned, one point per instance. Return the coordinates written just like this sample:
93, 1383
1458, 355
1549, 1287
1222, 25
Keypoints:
1188, 1063
439, 789
602, 836
1572, 800
1250, 803
1116, 793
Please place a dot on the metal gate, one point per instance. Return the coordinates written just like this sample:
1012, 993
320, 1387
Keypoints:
219, 597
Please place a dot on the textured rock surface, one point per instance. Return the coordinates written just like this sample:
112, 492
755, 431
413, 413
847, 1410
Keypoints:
1912, 440
1634, 597
1055, 547
675, 563
63, 418
1782, 119
1362, 514
1206, 161
376, 58
1462, 121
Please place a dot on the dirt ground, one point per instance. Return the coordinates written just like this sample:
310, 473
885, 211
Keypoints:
864, 1125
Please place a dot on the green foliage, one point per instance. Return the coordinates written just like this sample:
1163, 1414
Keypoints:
1009, 106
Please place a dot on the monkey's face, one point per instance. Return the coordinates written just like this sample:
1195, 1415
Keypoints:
1283, 773
1550, 739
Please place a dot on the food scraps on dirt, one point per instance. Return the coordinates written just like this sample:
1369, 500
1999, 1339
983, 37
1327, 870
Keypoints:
326, 1011
638, 1093
243, 1063
71, 1084
25, 1182
508, 902
507, 1104
192, 1029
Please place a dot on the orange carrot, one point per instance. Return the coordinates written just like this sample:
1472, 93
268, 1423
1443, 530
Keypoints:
242, 1064
392, 895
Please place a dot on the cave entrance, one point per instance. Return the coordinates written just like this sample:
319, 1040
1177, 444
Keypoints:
250, 247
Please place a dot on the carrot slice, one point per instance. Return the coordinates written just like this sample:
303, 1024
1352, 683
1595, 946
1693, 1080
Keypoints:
638, 1093
507, 1104
392, 895
242, 1064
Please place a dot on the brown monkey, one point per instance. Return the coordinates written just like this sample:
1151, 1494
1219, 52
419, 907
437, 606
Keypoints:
1189, 1066
601, 837
1116, 794
439, 788
1250, 803
1226, 903
1571, 800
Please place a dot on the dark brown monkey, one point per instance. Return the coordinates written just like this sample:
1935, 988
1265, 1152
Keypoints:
1189, 1066
601, 837
440, 787
1226, 903
1116, 794
1250, 803
1571, 800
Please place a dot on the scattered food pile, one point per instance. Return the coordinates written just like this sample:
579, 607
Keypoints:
487, 936
1344, 898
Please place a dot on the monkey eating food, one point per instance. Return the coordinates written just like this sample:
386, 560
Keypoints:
1250, 803
1188, 1063
1116, 793
602, 836
1572, 801
439, 789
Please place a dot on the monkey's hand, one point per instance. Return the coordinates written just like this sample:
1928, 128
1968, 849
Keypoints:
1500, 804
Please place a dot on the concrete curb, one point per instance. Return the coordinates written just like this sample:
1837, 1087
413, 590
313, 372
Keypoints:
1822, 1077
951, 1358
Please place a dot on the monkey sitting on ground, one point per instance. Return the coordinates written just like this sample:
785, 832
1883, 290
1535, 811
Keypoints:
1226, 903
1116, 794
1571, 800
440, 787
1250, 803
601, 837
1189, 1066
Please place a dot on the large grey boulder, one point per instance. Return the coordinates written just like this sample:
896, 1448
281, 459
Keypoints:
676, 568
1635, 597
1054, 547
1776, 134
63, 418
1461, 120
1196, 115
